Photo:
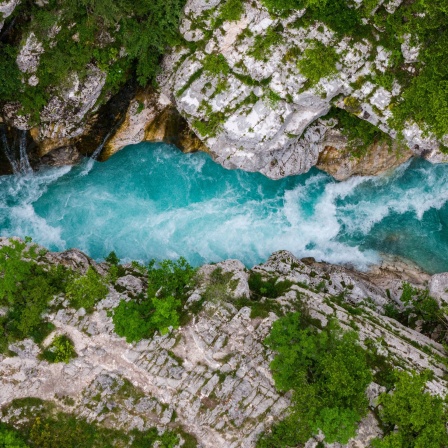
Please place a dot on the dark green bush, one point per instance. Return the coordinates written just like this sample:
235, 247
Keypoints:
61, 349
144, 28
85, 291
318, 61
231, 10
42, 426
270, 288
112, 259
360, 133
9, 438
168, 284
26, 289
411, 416
314, 365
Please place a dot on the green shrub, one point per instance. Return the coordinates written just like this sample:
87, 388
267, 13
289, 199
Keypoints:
87, 290
10, 438
231, 10
170, 278
314, 365
360, 133
42, 426
26, 289
270, 288
61, 349
419, 307
145, 29
216, 64
261, 49
168, 282
112, 259
411, 416
132, 320
318, 61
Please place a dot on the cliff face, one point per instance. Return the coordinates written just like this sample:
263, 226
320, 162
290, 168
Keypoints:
211, 376
257, 90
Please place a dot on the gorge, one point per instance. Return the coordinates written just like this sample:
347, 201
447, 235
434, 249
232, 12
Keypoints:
152, 201
223, 224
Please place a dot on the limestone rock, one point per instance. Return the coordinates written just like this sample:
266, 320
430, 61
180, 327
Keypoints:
211, 377
151, 117
260, 115
6, 9
341, 164
438, 287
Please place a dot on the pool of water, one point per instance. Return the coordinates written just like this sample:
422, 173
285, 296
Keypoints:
152, 201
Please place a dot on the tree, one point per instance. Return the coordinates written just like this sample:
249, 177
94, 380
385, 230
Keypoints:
10, 439
328, 374
87, 290
413, 418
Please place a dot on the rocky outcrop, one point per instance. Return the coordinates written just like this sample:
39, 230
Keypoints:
236, 90
378, 158
152, 117
6, 9
258, 112
211, 376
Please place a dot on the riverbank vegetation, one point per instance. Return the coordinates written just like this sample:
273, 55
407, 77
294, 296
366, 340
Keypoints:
328, 372
42, 425
124, 39
314, 365
162, 307
424, 97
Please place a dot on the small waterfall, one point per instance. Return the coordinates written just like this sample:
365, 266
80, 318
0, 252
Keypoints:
20, 164
9, 152
24, 163
95, 155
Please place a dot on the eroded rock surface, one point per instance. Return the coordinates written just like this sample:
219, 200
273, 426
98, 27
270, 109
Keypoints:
211, 376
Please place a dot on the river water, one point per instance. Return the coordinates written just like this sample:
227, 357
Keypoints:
152, 201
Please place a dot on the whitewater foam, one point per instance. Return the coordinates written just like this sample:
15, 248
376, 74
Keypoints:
151, 201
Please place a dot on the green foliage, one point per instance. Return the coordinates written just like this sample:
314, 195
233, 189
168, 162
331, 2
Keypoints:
170, 278
161, 308
328, 374
10, 438
273, 98
9, 74
195, 76
263, 43
26, 288
216, 64
42, 426
270, 288
87, 290
61, 349
231, 10
132, 320
219, 286
419, 307
360, 133
411, 416
166, 313
145, 29
425, 92
212, 126
318, 61
112, 259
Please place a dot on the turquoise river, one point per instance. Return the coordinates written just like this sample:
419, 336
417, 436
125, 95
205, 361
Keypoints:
152, 201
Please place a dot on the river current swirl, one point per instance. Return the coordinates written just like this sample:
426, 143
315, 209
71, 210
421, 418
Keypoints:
152, 201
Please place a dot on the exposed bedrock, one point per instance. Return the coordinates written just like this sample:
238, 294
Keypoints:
229, 93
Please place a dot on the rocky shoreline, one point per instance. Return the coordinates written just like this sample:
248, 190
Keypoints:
211, 376
255, 114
